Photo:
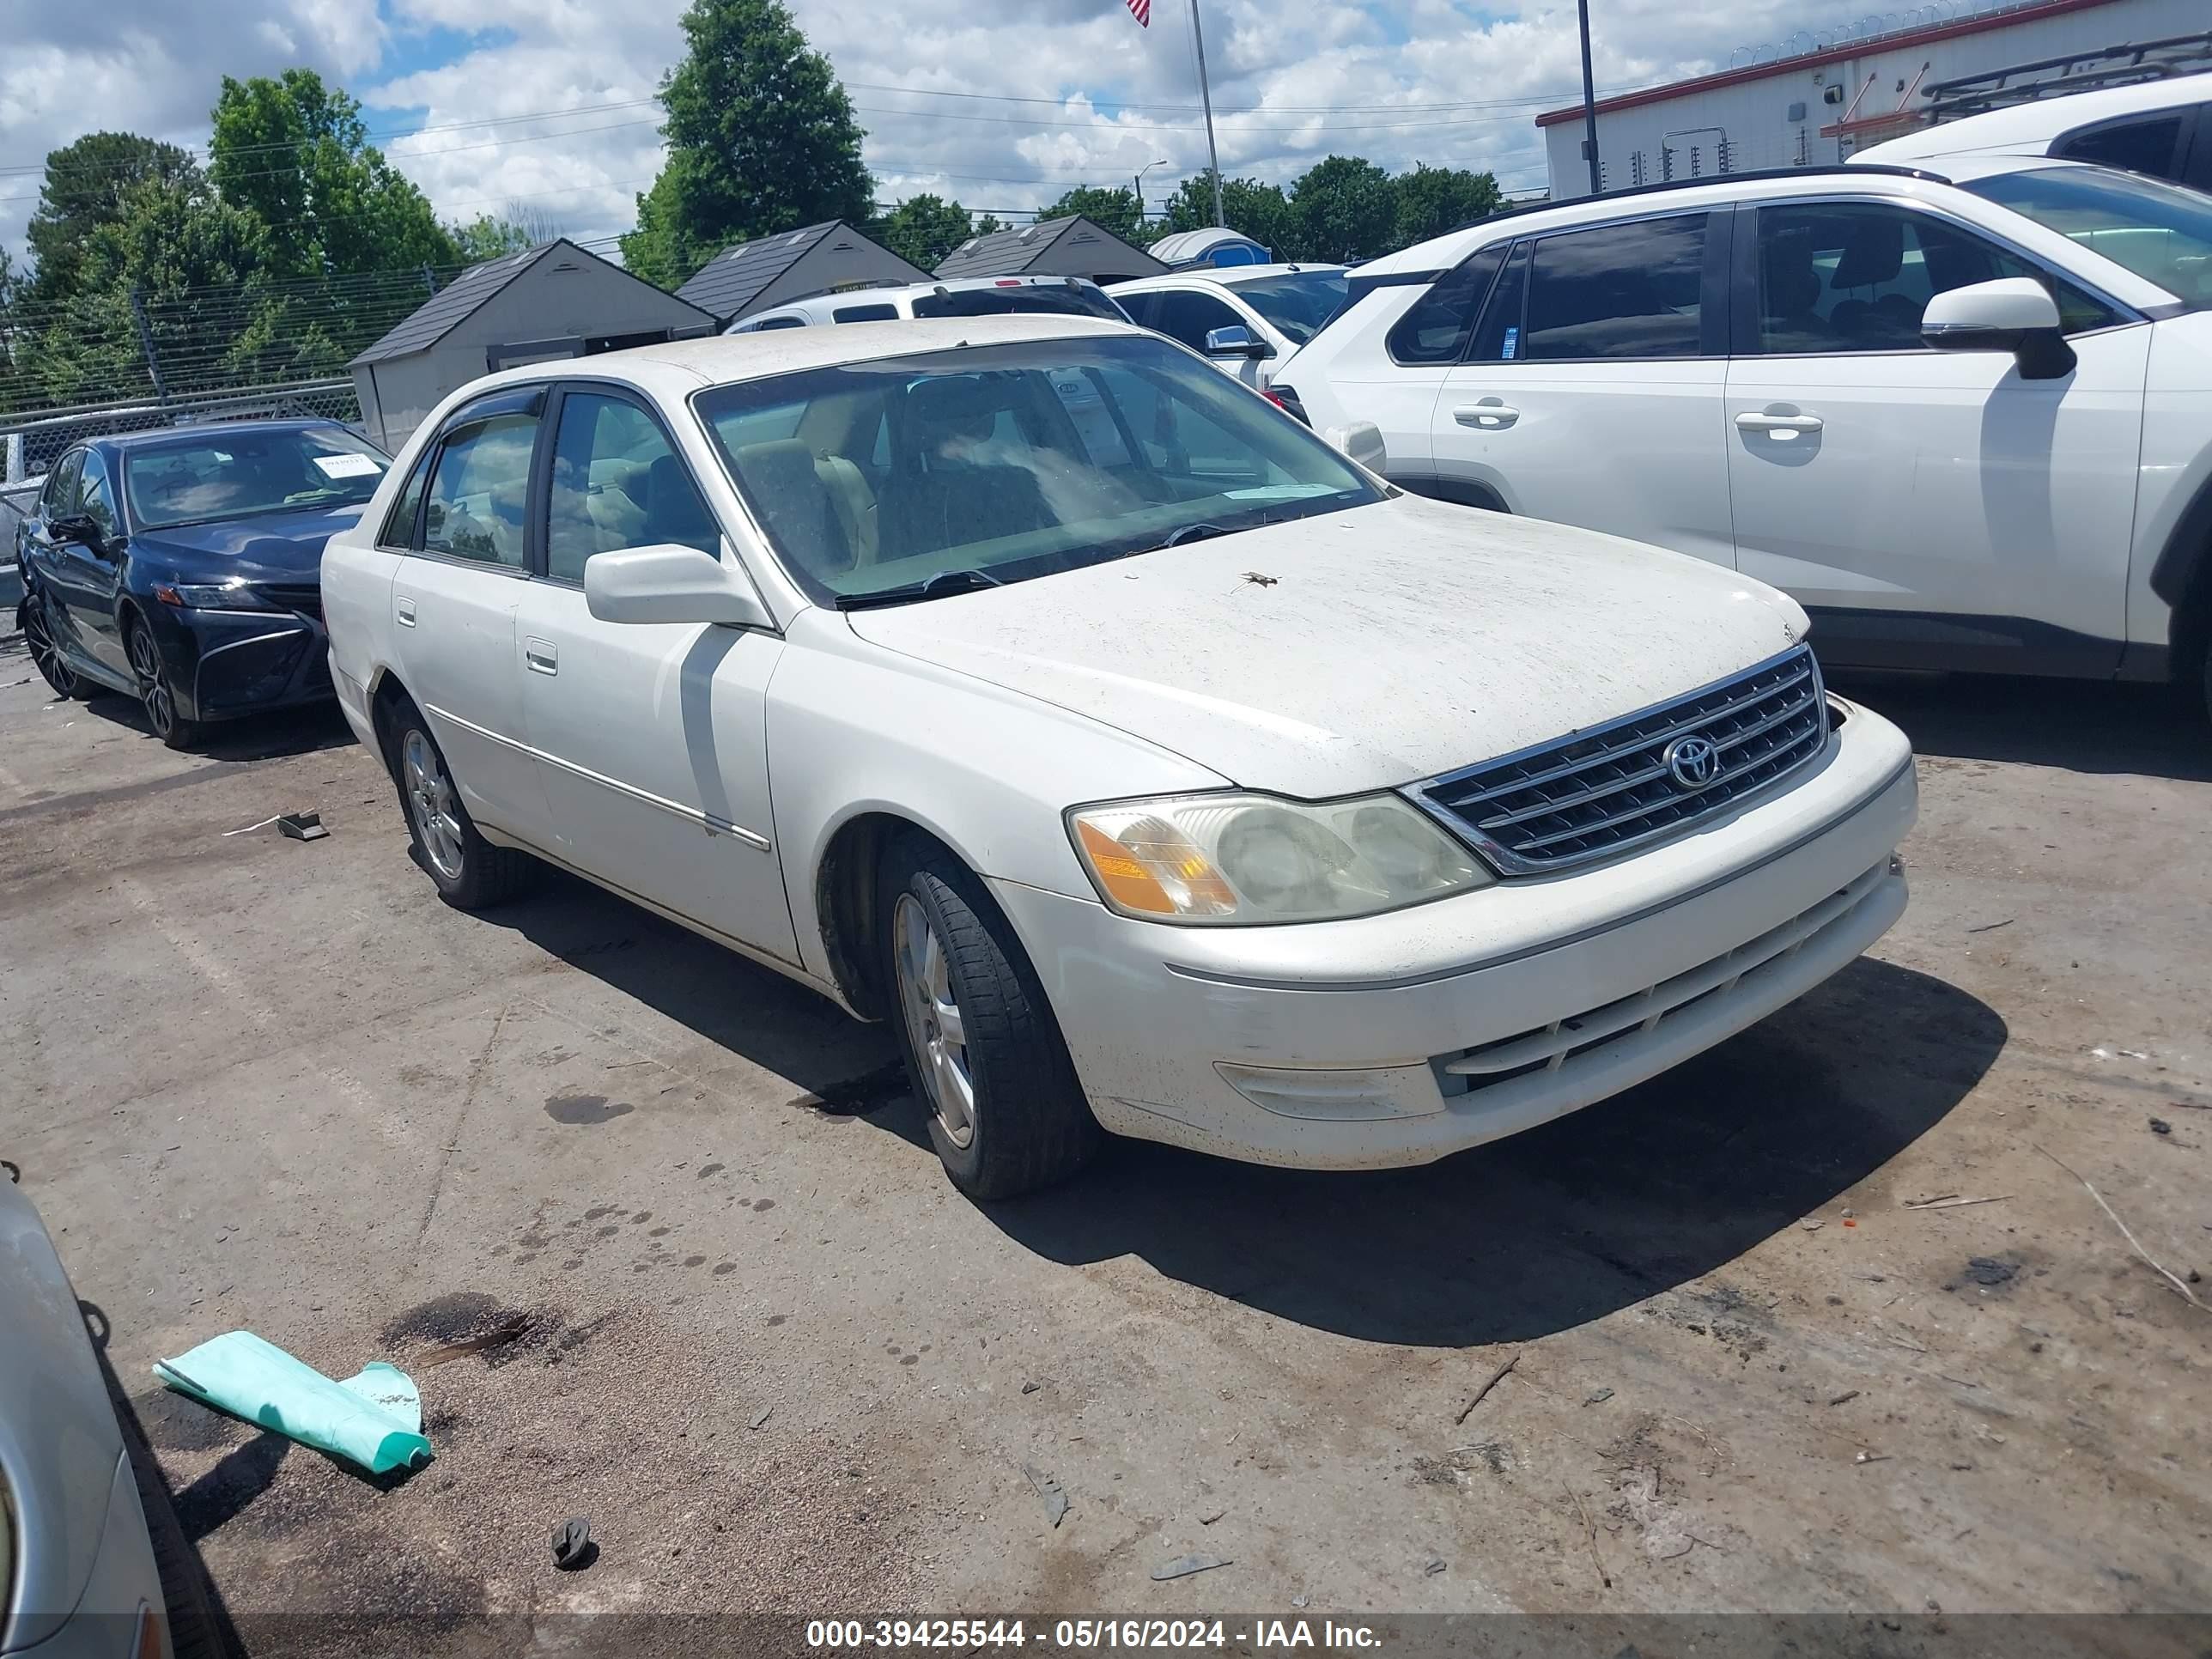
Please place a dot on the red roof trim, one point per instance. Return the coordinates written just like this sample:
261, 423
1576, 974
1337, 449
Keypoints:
1812, 59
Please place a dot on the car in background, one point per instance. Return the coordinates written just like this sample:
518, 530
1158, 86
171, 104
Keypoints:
1964, 417
969, 296
183, 567
2163, 128
1244, 317
1147, 763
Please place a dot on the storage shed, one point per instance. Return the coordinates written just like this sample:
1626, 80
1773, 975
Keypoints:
1054, 247
554, 301
1187, 249
794, 264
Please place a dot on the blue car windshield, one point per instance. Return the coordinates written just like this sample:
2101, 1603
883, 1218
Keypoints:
241, 472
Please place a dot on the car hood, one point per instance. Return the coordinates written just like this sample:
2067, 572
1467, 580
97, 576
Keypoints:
282, 547
1358, 650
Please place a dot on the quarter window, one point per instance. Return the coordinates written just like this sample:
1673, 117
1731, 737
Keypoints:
616, 483
1855, 276
2147, 145
1632, 290
477, 492
1436, 330
1182, 315
400, 523
1498, 338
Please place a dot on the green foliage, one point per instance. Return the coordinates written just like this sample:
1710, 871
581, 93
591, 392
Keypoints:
923, 229
1346, 208
988, 224
82, 192
1433, 200
1117, 210
487, 238
295, 153
760, 139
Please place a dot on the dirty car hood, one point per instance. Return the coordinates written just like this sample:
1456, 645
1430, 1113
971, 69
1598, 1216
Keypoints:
1395, 642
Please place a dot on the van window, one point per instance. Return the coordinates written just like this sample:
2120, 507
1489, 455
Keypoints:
1632, 290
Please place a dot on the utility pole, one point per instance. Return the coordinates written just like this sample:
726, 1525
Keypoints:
1206, 97
1589, 99
1138, 181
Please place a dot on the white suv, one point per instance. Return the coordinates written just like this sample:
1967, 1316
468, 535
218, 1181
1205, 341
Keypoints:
1964, 420
972, 297
1245, 318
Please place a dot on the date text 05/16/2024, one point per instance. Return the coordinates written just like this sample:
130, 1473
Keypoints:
1087, 1635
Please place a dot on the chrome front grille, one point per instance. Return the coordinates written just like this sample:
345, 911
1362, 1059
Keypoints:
1618, 786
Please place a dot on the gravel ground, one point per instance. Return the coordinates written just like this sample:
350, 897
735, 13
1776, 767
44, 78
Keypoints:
662, 1240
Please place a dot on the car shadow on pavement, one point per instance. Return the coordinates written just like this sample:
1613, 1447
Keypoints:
299, 730
1550, 1229
2080, 726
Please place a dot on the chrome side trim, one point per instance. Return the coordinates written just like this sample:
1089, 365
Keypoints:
705, 821
1459, 969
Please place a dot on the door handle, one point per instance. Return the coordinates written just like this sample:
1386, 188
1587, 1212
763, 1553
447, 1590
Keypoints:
403, 611
1490, 414
541, 656
1753, 420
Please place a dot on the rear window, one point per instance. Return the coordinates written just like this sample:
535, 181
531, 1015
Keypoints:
1069, 300
1630, 290
875, 313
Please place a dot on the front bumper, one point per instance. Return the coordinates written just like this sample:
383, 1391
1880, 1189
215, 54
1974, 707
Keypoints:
1402, 1038
122, 1591
227, 663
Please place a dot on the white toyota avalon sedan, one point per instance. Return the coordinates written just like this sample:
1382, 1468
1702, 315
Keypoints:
1026, 683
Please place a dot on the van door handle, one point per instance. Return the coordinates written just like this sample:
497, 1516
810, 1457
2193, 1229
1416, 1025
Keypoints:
1753, 420
1490, 414
403, 610
541, 656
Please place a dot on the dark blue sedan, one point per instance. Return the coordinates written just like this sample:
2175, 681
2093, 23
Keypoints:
184, 566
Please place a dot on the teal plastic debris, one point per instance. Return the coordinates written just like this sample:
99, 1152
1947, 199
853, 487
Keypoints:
374, 1417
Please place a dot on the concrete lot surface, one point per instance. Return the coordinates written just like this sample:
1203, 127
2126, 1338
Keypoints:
660, 1238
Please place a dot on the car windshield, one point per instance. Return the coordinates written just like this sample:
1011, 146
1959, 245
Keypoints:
241, 473
1297, 303
2161, 231
997, 464
1062, 299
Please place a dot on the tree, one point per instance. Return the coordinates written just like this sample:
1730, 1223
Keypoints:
760, 139
923, 229
520, 226
1260, 211
297, 153
988, 224
1117, 210
1345, 209
1433, 200
82, 191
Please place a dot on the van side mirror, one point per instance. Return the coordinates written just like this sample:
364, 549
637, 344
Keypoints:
670, 582
2014, 314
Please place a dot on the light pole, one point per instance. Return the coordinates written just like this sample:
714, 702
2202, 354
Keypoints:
1206, 97
1590, 100
1139, 182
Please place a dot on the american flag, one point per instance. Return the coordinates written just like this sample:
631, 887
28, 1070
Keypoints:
1142, 11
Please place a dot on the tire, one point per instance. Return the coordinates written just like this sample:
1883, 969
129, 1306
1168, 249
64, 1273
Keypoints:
469, 871
952, 965
45, 649
157, 693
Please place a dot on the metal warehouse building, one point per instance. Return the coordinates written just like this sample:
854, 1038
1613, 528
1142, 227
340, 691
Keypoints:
555, 301
1814, 98
795, 264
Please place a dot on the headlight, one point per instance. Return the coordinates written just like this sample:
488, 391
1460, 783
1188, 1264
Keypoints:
1226, 860
211, 596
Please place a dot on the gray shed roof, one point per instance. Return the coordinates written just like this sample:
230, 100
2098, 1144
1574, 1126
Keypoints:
1013, 252
729, 282
452, 305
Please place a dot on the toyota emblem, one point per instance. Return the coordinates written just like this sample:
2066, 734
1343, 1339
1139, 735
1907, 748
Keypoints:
1694, 762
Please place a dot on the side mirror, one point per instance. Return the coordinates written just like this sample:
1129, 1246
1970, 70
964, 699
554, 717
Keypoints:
78, 527
1235, 341
1362, 440
2014, 314
671, 583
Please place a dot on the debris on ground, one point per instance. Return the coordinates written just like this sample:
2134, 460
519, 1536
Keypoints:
573, 1548
1032, 1388
1483, 1392
1436, 1565
2158, 1126
1209, 1520
1183, 1565
302, 826
1990, 1270
1953, 1201
248, 828
762, 1415
1597, 1397
374, 1417
1054, 1495
1991, 926
2135, 1243
1844, 1398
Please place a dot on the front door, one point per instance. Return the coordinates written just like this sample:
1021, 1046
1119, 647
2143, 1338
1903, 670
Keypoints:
651, 737
95, 573
1933, 507
1591, 391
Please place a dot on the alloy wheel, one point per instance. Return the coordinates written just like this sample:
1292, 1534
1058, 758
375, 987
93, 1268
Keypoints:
933, 1022
153, 688
430, 804
45, 653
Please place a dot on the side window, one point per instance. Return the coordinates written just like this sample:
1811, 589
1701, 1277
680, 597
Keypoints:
1632, 290
616, 483
1855, 276
1191, 316
399, 530
95, 496
478, 489
1436, 329
875, 313
767, 323
1498, 337
2146, 145
59, 498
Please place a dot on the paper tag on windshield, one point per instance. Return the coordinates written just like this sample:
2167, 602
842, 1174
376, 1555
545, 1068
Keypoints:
347, 466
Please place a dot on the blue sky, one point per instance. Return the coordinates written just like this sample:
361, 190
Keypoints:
546, 103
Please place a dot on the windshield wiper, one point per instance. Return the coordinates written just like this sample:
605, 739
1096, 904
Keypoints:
944, 583
1191, 533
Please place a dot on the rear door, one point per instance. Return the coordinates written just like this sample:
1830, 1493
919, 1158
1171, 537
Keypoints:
454, 601
1591, 391
46, 557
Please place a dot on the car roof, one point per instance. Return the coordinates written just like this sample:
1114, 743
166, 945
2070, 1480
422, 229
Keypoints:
2031, 128
1227, 276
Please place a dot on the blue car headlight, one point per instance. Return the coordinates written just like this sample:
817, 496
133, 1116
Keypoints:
232, 595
